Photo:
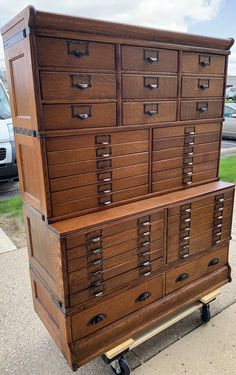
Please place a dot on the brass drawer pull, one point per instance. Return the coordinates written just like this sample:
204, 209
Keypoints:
203, 84
202, 107
77, 48
80, 81
96, 319
143, 297
214, 262
151, 109
150, 55
204, 60
182, 277
148, 82
76, 112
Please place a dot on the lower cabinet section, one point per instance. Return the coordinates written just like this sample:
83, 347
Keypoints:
82, 336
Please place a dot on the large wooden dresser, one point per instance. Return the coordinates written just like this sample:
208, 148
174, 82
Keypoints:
118, 134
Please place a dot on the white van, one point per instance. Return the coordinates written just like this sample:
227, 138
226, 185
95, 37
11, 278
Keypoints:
8, 166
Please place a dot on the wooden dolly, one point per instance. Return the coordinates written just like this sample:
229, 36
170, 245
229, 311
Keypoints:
114, 357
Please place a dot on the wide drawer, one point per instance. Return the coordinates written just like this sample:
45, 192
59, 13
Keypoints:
135, 113
148, 87
201, 63
148, 59
181, 276
75, 53
174, 142
100, 289
84, 179
78, 116
101, 200
76, 86
202, 87
179, 152
188, 130
86, 166
196, 110
175, 183
106, 312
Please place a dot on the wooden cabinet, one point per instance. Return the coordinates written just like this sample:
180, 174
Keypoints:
118, 135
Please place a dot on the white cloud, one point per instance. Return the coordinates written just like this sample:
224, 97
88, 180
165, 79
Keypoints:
170, 15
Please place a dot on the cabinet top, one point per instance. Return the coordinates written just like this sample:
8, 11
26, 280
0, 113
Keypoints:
49, 22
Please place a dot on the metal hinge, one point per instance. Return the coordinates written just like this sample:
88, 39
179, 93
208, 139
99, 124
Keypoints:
28, 132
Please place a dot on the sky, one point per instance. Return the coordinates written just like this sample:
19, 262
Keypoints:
204, 17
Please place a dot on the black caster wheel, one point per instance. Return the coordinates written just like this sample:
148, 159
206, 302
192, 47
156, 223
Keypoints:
205, 313
121, 367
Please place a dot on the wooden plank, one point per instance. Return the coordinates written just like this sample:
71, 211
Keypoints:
210, 297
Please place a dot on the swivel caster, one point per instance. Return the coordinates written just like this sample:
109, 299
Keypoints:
206, 313
120, 367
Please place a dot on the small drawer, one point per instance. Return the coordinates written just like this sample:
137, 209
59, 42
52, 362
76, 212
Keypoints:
201, 63
104, 313
202, 87
148, 59
75, 53
135, 113
181, 276
148, 87
76, 86
196, 110
78, 116
183, 131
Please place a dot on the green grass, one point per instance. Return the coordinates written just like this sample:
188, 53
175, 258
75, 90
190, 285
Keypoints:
228, 169
12, 207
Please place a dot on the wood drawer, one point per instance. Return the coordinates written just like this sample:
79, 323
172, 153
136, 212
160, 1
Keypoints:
148, 87
179, 131
85, 277
175, 183
102, 314
110, 256
179, 152
196, 110
102, 200
78, 116
112, 229
69, 169
148, 59
181, 276
179, 172
76, 86
96, 292
92, 190
179, 162
201, 63
135, 113
174, 142
97, 140
84, 179
202, 87
75, 53
78, 154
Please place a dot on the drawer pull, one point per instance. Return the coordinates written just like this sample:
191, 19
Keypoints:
80, 81
186, 238
218, 225
103, 139
190, 154
107, 179
204, 60
186, 247
97, 251
145, 264
151, 56
189, 173
187, 220
187, 209
220, 209
98, 294
143, 297
217, 234
202, 107
77, 48
204, 86
96, 319
145, 243
102, 164
81, 115
106, 191
105, 155
182, 277
146, 234
96, 239
217, 242
221, 200
146, 223
188, 183
148, 83
151, 109
144, 254
214, 262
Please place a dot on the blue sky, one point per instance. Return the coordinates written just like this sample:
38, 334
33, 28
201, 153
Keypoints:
205, 17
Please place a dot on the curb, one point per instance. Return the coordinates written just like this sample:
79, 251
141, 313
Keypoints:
228, 150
